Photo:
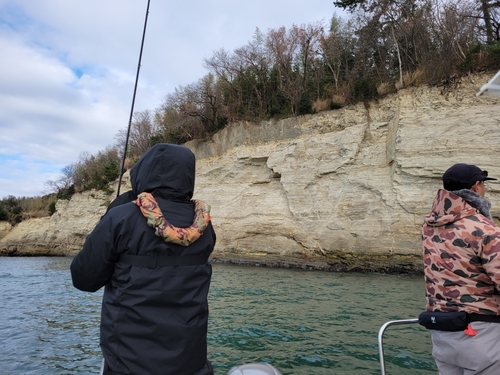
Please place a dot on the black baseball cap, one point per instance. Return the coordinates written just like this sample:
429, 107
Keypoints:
463, 176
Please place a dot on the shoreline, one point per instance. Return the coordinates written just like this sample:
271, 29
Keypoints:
361, 261
376, 266
388, 269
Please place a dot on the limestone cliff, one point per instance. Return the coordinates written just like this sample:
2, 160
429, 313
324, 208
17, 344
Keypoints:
340, 190
61, 234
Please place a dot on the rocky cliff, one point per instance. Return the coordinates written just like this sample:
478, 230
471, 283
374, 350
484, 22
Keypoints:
339, 190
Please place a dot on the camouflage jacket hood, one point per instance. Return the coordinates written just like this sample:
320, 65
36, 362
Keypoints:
461, 248
470, 202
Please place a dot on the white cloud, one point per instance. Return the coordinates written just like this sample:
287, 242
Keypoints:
68, 69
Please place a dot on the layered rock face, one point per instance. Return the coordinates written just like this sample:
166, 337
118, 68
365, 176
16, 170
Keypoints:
339, 190
345, 189
61, 234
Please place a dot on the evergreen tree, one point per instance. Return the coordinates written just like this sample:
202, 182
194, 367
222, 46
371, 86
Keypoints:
3, 214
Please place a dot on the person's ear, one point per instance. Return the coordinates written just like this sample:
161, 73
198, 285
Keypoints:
475, 187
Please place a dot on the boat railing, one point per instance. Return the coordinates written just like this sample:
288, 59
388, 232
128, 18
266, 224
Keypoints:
381, 338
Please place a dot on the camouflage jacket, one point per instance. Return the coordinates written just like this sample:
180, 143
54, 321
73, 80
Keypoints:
461, 252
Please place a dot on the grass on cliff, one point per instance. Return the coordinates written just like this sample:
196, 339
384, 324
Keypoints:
14, 210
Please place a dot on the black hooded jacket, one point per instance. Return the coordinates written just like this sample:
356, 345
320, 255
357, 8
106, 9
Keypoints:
154, 318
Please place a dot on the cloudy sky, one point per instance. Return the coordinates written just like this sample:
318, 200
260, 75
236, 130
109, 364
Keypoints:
68, 68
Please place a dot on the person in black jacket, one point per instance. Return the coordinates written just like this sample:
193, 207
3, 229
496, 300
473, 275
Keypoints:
151, 256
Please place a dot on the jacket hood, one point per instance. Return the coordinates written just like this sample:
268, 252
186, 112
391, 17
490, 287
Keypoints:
167, 169
448, 208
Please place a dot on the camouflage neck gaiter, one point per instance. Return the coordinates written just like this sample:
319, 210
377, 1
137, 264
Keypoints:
170, 233
475, 200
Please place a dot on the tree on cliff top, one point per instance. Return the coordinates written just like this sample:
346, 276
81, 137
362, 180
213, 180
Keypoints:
383, 46
16, 209
12, 210
487, 12
3, 213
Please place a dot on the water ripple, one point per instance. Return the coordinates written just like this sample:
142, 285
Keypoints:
303, 322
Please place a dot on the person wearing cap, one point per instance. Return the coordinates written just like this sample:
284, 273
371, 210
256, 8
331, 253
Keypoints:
461, 254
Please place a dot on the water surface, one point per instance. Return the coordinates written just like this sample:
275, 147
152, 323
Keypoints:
303, 322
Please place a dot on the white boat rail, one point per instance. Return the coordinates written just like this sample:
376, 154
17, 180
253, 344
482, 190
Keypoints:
381, 337
492, 87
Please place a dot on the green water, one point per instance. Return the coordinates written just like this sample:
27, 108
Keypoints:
302, 322
308, 322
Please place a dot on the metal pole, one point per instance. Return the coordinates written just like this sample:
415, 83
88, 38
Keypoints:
133, 101
381, 334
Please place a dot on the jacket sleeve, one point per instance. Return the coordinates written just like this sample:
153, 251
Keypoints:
93, 266
491, 257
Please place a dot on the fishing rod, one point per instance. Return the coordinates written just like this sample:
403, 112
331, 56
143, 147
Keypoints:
133, 102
